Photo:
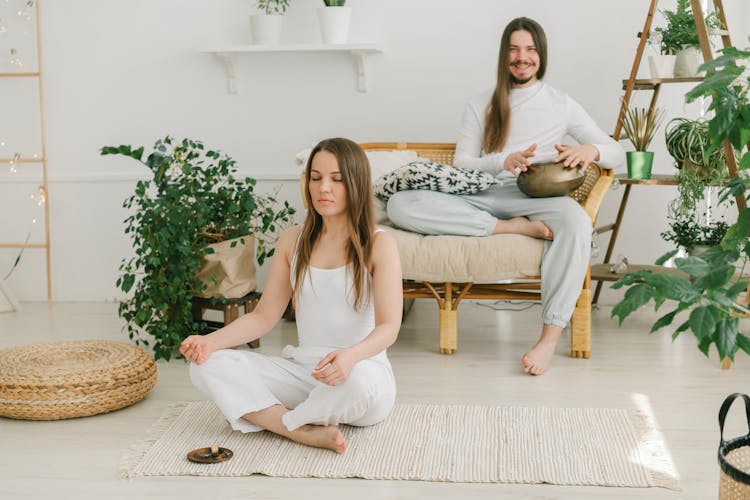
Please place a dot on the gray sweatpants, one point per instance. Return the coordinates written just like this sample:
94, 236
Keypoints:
565, 258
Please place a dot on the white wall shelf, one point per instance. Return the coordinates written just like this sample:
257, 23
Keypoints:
359, 52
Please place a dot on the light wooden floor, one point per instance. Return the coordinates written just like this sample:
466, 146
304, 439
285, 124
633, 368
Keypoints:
628, 368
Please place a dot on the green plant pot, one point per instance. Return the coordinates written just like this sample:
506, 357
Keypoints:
639, 164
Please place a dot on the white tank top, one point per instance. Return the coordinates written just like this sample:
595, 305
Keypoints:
325, 314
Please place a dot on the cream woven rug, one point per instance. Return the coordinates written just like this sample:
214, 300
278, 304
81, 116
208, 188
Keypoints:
568, 446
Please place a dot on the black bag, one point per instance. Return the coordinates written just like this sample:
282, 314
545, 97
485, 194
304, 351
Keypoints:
734, 456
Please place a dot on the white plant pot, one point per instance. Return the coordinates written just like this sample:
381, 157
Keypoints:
334, 24
661, 66
266, 28
687, 62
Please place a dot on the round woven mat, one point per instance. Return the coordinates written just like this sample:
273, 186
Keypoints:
57, 380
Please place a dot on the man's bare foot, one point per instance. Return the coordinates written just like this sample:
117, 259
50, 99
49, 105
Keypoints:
321, 436
539, 358
524, 226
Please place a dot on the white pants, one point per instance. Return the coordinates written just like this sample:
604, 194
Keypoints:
241, 382
565, 260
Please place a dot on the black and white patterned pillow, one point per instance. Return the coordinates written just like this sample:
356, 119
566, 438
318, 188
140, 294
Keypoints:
423, 174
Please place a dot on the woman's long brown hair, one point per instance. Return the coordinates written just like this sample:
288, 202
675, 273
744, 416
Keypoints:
497, 119
355, 173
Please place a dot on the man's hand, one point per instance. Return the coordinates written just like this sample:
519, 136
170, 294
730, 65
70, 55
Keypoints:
519, 161
196, 348
335, 368
572, 156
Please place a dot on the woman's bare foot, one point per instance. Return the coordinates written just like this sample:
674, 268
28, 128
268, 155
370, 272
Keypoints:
524, 226
539, 358
320, 436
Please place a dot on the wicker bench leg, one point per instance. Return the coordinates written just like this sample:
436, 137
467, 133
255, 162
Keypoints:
448, 330
580, 326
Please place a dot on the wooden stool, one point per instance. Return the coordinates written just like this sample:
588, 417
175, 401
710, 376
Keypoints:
231, 308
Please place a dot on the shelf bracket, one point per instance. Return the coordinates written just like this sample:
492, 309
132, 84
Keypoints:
231, 70
361, 69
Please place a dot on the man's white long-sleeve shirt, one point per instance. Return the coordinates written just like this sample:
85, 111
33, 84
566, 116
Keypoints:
540, 115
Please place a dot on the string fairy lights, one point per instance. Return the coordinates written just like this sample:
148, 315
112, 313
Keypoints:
17, 22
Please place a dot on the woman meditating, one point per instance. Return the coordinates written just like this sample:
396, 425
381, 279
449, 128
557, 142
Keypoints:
344, 278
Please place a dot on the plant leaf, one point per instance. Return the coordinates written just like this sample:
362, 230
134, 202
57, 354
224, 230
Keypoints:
716, 278
743, 343
673, 287
665, 320
661, 260
631, 278
703, 320
725, 337
636, 296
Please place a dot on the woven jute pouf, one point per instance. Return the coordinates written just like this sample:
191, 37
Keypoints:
57, 380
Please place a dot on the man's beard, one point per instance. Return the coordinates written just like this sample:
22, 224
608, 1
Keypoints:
517, 81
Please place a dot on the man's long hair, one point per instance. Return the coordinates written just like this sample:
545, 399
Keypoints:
497, 118
355, 174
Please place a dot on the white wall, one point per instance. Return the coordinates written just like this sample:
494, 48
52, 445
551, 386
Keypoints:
130, 72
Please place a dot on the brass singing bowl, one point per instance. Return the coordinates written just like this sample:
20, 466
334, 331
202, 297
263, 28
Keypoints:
543, 180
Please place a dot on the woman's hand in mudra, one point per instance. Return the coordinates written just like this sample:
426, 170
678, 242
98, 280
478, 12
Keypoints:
573, 156
196, 348
518, 162
335, 368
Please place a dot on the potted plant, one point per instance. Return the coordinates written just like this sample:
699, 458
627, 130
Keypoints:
192, 201
710, 300
686, 232
661, 65
640, 125
266, 25
700, 165
680, 37
334, 20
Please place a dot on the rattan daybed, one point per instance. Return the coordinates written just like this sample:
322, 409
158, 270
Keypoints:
452, 268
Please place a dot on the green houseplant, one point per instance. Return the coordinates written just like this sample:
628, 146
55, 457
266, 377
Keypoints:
710, 299
273, 6
700, 165
640, 126
680, 37
334, 20
192, 200
266, 25
685, 231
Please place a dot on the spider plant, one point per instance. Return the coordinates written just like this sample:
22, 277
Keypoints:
700, 164
640, 125
273, 6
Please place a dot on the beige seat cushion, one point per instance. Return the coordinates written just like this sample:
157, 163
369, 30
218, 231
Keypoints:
462, 259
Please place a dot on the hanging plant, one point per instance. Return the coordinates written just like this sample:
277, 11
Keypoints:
700, 165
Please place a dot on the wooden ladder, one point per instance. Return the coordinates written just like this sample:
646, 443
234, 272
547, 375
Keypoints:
654, 84
632, 84
44, 191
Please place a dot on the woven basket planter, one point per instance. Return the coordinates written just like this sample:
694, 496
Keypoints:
58, 380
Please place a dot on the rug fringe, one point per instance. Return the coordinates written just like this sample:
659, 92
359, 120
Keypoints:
137, 452
653, 451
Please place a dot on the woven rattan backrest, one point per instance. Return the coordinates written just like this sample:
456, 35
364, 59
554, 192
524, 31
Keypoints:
442, 152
